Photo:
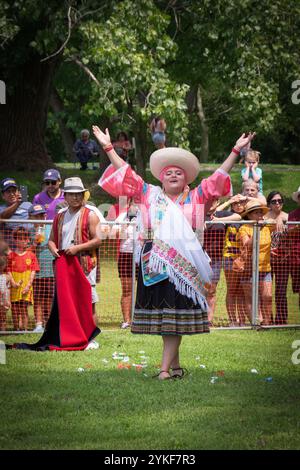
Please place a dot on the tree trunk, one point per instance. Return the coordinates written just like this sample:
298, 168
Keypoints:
204, 128
23, 119
67, 135
140, 134
140, 152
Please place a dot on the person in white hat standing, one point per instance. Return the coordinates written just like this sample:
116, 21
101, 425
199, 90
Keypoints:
294, 232
174, 272
72, 242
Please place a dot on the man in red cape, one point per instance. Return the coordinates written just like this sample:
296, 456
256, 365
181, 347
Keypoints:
73, 242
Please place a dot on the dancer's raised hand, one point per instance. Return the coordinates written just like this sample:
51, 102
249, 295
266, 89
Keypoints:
103, 138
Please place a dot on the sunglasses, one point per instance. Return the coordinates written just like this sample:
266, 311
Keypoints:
276, 201
50, 182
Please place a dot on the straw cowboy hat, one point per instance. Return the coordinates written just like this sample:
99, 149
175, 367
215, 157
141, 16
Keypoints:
252, 206
295, 195
74, 185
173, 156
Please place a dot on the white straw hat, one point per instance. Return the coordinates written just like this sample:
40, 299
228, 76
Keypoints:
74, 185
174, 156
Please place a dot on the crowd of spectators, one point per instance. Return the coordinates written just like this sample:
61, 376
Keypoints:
26, 264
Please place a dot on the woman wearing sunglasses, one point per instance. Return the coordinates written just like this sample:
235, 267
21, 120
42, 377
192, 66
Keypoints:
279, 255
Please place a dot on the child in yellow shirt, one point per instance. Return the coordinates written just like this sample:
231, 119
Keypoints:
22, 266
255, 211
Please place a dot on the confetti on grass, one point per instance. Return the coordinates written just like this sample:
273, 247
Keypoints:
118, 356
124, 366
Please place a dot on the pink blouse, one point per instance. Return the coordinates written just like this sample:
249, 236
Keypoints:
125, 182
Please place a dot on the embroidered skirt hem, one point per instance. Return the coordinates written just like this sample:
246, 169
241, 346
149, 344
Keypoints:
161, 310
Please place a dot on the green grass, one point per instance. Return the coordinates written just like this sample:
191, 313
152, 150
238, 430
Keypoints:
47, 404
109, 308
109, 292
284, 178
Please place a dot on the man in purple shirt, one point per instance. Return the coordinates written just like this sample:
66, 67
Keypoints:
52, 194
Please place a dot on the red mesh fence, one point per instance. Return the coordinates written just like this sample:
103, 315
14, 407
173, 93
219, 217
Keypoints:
257, 284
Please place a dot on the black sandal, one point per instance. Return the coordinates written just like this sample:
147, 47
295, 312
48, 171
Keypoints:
166, 378
181, 373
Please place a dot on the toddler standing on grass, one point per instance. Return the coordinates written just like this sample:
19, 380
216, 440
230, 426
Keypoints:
251, 170
22, 266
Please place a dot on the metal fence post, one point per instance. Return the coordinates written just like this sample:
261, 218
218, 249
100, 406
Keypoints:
255, 275
133, 269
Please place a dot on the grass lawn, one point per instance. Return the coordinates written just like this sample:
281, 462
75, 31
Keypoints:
109, 292
46, 403
284, 178
109, 308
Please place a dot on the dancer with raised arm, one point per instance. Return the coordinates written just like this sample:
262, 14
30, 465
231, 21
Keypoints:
174, 272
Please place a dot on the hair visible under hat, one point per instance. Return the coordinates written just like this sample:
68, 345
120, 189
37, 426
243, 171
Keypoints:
174, 156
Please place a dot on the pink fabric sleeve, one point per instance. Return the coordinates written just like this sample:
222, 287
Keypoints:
213, 187
216, 185
121, 182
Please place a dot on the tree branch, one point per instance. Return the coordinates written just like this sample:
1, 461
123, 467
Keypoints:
66, 41
84, 68
78, 18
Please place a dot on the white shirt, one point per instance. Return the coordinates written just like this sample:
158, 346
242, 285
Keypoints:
128, 234
68, 229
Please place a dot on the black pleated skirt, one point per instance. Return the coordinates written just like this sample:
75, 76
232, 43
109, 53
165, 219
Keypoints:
161, 310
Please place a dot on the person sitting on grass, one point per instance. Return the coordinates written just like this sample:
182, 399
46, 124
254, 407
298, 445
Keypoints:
85, 149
